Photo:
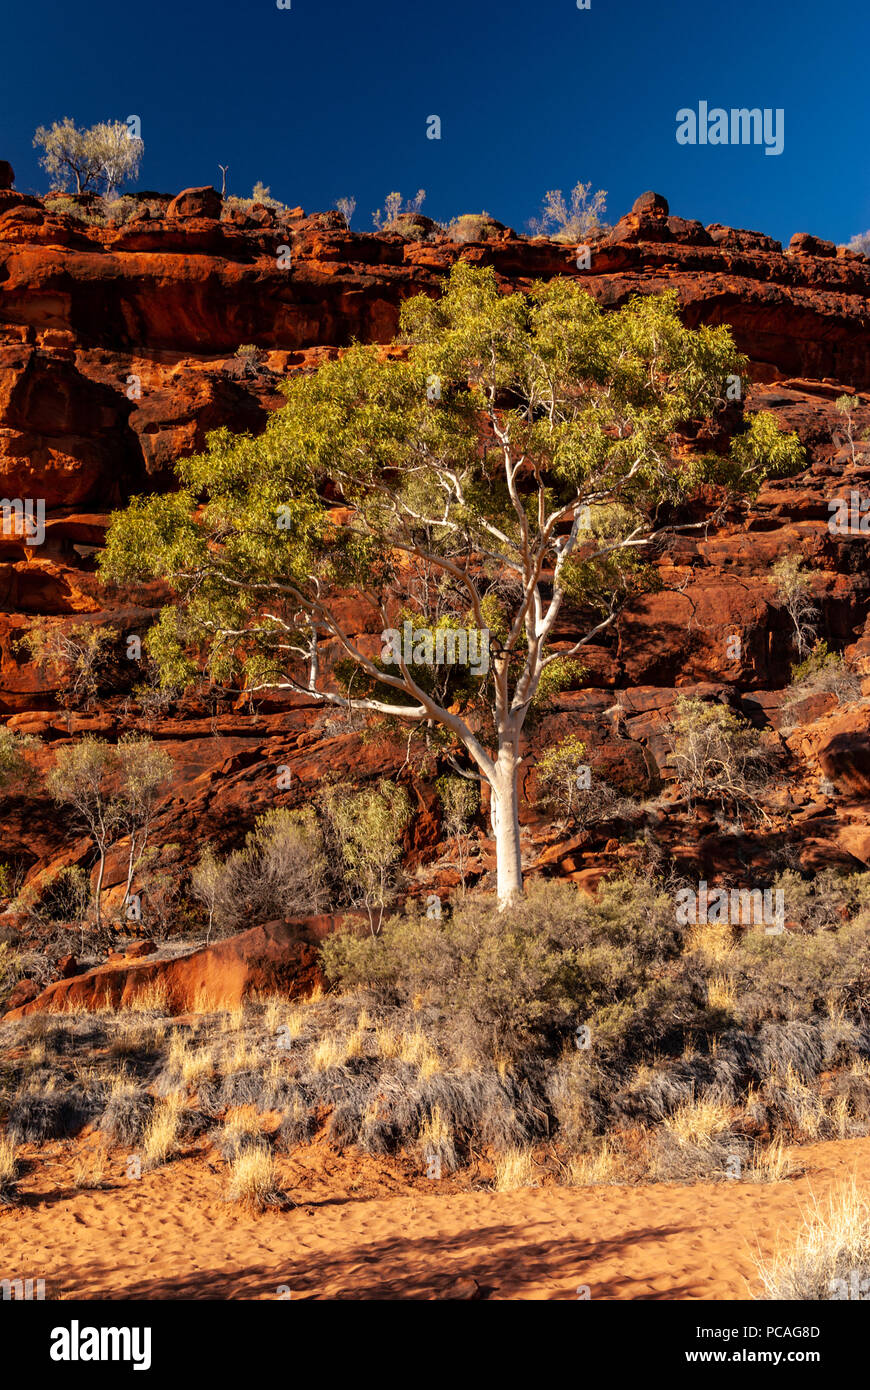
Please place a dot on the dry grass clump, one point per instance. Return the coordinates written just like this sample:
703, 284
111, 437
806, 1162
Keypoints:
153, 998
8, 1169
602, 1165
253, 1180
514, 1169
830, 1259
774, 1163
89, 1169
128, 1111
699, 1122
437, 1144
161, 1133
53, 1104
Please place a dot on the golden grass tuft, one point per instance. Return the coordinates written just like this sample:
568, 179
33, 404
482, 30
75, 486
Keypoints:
253, 1179
721, 993
699, 1122
830, 1259
89, 1169
603, 1165
153, 997
161, 1134
515, 1168
771, 1164
8, 1167
715, 940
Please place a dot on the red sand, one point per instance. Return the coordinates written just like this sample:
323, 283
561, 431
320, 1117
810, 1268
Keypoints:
360, 1232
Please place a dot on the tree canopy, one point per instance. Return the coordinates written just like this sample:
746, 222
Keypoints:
514, 453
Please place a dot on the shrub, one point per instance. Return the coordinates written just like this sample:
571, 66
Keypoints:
473, 226
791, 584
102, 154
394, 208
717, 756
567, 787
794, 976
128, 1112
64, 897
460, 800
820, 672
261, 193
16, 772
347, 208
572, 220
367, 828
280, 872
518, 979
75, 657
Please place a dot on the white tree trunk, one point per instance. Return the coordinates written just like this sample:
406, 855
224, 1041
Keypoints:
505, 817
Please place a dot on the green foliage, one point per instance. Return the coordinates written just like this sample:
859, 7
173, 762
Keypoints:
564, 673
716, 755
568, 788
263, 530
460, 799
9, 880
16, 772
526, 977
368, 827
819, 659
823, 672
764, 451
559, 773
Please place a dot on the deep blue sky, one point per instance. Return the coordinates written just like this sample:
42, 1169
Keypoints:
331, 98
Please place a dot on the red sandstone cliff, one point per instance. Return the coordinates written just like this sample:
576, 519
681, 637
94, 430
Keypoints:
83, 310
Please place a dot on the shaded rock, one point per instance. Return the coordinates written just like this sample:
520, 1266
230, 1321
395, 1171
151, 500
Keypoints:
22, 994
195, 202
651, 202
803, 244
276, 958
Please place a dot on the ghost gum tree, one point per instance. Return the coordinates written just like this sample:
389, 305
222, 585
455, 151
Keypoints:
522, 454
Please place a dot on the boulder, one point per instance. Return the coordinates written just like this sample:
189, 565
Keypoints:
7, 174
195, 202
280, 957
655, 203
22, 995
803, 244
845, 755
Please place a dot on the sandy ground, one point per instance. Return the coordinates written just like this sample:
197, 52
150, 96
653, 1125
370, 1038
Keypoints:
359, 1231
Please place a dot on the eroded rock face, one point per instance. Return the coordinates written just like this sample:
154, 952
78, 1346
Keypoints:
117, 355
277, 957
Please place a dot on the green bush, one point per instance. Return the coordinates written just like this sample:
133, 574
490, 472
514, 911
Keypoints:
525, 977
